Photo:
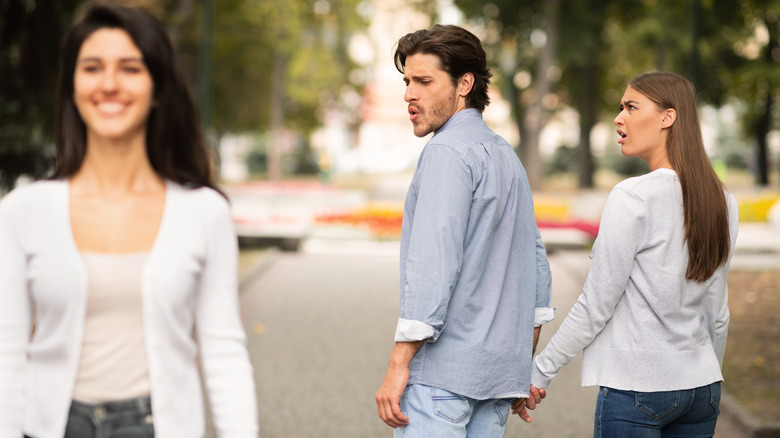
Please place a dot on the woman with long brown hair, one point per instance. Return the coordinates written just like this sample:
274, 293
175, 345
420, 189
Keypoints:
124, 262
653, 315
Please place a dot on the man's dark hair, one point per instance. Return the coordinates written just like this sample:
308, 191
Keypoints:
459, 52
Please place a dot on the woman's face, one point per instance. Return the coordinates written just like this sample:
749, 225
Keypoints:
641, 127
113, 90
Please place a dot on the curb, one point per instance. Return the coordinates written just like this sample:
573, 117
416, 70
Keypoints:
746, 420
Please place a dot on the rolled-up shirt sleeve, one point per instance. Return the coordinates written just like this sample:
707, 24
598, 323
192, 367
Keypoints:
544, 311
440, 207
411, 331
543, 315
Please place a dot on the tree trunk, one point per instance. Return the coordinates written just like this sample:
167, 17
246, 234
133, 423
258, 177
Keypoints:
535, 113
586, 107
276, 138
764, 122
693, 59
529, 145
204, 70
762, 155
182, 15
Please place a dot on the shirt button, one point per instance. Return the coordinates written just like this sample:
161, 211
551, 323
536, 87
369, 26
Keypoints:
148, 419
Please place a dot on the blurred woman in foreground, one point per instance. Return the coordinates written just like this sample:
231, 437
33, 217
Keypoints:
124, 262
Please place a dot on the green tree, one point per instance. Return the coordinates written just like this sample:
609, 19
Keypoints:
728, 49
556, 56
582, 65
277, 63
755, 76
598, 46
30, 33
521, 44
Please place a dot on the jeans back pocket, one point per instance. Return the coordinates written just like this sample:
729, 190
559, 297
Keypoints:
657, 404
451, 407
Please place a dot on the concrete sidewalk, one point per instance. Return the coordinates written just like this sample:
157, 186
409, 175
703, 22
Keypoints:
758, 247
568, 410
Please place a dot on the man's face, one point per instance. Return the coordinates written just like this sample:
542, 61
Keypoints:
431, 95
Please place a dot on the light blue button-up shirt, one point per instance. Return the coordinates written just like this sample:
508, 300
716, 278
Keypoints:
474, 274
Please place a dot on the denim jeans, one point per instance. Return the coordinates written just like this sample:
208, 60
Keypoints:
434, 412
690, 413
120, 419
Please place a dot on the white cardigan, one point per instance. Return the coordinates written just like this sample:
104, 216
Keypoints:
643, 326
190, 315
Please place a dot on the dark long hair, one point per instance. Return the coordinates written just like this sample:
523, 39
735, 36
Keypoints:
175, 142
704, 201
459, 52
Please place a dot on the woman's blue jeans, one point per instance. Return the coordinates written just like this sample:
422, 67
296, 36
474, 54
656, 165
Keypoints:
120, 419
690, 413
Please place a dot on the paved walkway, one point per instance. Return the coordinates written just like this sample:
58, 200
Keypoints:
320, 324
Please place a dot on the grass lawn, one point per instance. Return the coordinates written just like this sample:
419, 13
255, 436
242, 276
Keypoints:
751, 366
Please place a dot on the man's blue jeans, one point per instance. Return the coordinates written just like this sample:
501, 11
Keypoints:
434, 412
690, 413
120, 419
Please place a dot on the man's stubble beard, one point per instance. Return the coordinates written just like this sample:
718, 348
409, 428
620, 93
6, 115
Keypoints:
440, 114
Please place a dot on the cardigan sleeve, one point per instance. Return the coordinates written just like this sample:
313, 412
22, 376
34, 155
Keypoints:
15, 319
621, 230
227, 369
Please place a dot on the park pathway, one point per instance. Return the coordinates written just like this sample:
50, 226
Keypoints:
320, 324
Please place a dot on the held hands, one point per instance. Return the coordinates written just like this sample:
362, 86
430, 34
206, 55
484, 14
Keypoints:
520, 405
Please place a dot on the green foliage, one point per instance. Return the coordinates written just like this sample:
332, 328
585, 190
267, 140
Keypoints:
564, 160
248, 37
510, 24
728, 49
623, 165
30, 33
241, 75
308, 37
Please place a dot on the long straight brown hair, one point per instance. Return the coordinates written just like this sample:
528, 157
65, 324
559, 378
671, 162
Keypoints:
704, 200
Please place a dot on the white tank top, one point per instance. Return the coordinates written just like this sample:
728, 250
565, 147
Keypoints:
113, 359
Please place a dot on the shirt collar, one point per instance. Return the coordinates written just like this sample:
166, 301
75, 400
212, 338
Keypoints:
460, 115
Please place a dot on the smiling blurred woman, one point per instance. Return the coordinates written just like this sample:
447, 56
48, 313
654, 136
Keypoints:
653, 314
119, 273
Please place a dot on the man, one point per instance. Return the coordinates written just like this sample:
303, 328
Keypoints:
475, 281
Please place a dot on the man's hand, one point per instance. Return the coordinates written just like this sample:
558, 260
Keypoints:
388, 398
521, 405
